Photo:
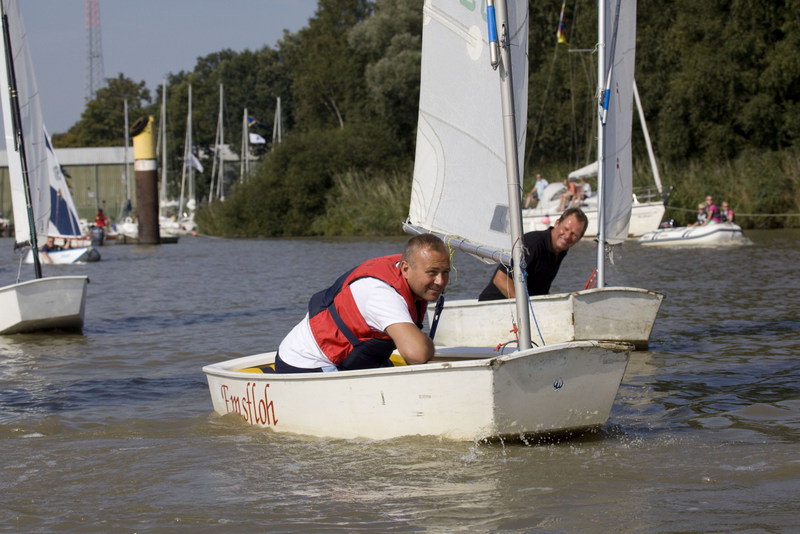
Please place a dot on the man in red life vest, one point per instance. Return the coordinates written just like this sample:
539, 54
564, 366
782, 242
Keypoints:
369, 311
100, 220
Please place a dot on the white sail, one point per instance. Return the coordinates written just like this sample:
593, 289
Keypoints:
35, 147
460, 186
620, 55
63, 213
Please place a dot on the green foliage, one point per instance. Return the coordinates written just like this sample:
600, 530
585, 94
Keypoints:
290, 187
103, 121
362, 204
327, 73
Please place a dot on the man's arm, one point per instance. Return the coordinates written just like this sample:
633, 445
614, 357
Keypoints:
504, 283
412, 344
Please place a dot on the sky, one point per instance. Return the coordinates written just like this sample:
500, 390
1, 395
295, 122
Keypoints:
145, 40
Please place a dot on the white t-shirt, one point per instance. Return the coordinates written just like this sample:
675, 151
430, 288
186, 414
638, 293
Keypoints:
379, 304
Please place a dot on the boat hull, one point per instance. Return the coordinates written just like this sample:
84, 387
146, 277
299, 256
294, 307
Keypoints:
56, 302
709, 235
66, 256
611, 314
463, 394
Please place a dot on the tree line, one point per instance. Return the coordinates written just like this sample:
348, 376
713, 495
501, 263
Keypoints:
719, 81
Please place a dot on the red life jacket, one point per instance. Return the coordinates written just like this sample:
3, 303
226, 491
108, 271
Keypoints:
335, 321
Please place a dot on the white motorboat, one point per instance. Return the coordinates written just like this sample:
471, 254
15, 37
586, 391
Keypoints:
645, 215
41, 201
713, 234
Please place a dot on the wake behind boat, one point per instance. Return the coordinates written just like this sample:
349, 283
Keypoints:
41, 201
715, 234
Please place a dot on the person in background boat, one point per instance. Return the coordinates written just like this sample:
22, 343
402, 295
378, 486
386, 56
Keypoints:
712, 213
568, 196
585, 189
537, 193
544, 252
726, 213
100, 220
369, 312
702, 215
49, 246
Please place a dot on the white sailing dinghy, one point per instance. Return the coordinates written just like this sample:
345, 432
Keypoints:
56, 302
607, 313
63, 223
464, 393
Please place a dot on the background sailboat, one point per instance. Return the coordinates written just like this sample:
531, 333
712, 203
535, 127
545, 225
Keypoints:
41, 303
63, 224
608, 313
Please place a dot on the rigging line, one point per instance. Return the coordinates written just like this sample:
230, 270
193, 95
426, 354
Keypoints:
737, 214
530, 305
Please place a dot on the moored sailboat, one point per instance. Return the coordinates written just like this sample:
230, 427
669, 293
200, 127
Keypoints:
57, 302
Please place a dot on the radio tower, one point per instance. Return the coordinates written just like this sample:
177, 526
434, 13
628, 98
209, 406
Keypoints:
95, 76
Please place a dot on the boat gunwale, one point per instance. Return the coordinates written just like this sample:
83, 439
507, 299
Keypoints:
233, 368
554, 296
46, 279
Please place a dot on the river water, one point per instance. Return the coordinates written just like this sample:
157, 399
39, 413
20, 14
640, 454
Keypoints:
113, 431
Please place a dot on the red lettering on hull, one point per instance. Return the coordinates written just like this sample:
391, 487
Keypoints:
255, 407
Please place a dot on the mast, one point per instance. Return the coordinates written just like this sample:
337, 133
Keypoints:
276, 125
601, 153
512, 161
163, 132
11, 100
244, 164
650, 153
125, 173
218, 152
187, 147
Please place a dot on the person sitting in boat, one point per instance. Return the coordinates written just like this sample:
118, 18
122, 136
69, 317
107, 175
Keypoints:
568, 196
702, 215
537, 193
712, 213
585, 189
544, 252
100, 220
726, 213
370, 311
49, 246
